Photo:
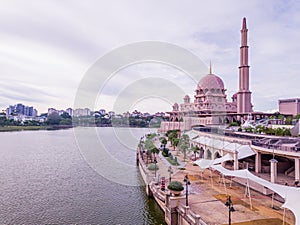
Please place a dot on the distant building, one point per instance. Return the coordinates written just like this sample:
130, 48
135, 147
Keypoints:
289, 106
69, 111
111, 114
102, 111
20, 111
51, 110
82, 112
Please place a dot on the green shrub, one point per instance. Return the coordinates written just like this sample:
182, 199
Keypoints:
175, 186
234, 124
153, 167
164, 154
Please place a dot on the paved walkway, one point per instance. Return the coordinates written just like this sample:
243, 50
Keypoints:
207, 195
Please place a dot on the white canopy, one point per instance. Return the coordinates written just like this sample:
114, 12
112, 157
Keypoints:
206, 163
290, 194
244, 151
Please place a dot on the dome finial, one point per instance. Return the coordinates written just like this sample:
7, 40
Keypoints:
210, 67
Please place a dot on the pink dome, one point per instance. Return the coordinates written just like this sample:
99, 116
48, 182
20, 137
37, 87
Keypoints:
211, 81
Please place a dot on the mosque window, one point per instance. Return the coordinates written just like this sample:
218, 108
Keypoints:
219, 99
212, 90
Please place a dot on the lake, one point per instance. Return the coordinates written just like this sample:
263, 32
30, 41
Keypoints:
75, 176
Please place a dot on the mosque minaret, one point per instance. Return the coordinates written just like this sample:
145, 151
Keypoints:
244, 95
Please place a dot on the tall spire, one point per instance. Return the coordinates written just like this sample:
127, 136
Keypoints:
244, 24
244, 95
244, 32
210, 68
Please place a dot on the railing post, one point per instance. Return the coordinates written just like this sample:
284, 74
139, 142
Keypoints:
186, 210
197, 219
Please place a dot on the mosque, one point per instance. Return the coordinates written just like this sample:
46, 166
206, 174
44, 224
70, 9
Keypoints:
210, 105
269, 158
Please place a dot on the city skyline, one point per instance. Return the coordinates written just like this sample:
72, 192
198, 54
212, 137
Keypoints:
48, 46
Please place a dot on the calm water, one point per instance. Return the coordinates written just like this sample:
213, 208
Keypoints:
44, 178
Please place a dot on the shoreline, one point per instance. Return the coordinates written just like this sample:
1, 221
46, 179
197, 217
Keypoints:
33, 128
53, 127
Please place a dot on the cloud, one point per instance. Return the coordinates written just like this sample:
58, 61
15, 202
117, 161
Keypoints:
49, 45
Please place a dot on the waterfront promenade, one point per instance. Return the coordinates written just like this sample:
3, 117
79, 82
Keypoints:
207, 197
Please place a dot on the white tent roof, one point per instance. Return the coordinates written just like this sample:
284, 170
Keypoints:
231, 146
206, 163
227, 157
290, 194
244, 151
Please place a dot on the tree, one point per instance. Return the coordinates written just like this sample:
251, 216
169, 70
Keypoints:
286, 132
3, 121
288, 120
163, 142
184, 144
65, 115
53, 119
154, 150
195, 149
175, 142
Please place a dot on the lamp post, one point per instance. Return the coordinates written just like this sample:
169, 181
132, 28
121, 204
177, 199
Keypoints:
187, 183
170, 173
155, 161
229, 204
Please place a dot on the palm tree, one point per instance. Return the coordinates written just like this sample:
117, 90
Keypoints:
184, 144
195, 149
163, 142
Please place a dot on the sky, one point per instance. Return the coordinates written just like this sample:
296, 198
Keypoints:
48, 47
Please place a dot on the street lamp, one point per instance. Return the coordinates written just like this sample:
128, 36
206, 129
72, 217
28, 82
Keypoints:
187, 183
155, 161
170, 173
229, 204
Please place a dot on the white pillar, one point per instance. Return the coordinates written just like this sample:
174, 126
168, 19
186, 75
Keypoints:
273, 170
236, 161
258, 162
297, 169
222, 153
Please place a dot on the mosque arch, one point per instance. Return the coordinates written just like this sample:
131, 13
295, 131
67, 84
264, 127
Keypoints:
208, 154
201, 152
217, 155
226, 120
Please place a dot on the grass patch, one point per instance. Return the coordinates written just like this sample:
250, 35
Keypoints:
20, 128
235, 201
272, 221
172, 161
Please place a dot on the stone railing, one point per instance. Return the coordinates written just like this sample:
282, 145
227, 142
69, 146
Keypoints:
175, 212
187, 214
277, 147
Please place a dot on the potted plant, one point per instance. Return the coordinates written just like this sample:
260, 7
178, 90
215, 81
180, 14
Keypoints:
175, 187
